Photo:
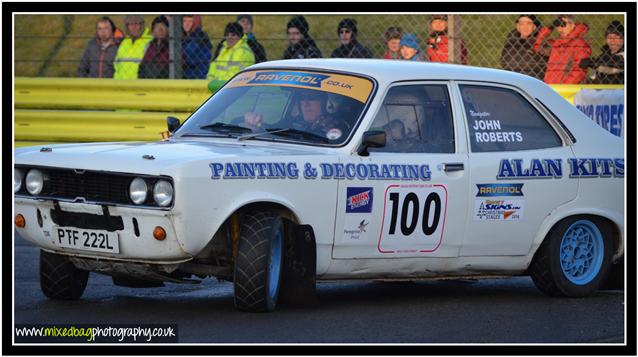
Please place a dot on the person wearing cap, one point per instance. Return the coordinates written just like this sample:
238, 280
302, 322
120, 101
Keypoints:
196, 48
518, 53
350, 47
392, 39
97, 58
246, 22
438, 41
565, 52
155, 63
132, 49
410, 49
234, 56
300, 44
609, 67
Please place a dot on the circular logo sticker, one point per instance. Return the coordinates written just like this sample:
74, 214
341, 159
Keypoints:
333, 134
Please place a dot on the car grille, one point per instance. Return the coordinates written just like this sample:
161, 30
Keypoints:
92, 186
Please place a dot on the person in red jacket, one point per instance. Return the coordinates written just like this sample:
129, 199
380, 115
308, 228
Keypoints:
437, 43
565, 52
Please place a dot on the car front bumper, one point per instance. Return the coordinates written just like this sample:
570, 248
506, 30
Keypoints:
134, 229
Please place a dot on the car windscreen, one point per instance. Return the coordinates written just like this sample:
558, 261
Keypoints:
299, 106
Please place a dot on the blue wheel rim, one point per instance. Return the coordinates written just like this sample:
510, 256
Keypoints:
274, 267
581, 252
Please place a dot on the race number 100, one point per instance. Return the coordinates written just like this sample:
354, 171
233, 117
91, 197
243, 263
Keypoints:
413, 218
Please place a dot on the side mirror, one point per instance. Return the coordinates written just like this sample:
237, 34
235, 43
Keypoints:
371, 139
172, 123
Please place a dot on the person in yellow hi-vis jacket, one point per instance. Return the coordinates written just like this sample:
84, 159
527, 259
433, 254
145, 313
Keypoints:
234, 56
132, 49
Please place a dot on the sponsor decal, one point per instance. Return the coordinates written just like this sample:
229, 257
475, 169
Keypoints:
334, 134
498, 210
335, 171
359, 200
499, 189
553, 168
356, 228
350, 86
296, 78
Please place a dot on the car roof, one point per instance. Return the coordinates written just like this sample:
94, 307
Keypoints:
397, 70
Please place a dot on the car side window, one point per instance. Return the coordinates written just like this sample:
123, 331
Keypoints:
416, 119
500, 119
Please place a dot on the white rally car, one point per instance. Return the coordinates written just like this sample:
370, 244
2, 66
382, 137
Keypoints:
305, 170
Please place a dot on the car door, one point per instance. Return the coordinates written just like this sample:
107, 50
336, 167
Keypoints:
517, 161
407, 199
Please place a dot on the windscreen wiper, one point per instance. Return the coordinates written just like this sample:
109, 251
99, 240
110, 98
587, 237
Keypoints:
225, 128
287, 132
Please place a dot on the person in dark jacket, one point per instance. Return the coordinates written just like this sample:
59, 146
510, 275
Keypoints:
155, 63
350, 46
609, 67
246, 21
300, 44
518, 54
97, 58
196, 48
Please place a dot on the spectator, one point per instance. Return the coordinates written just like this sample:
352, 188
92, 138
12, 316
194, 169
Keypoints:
155, 62
410, 49
609, 67
196, 48
246, 22
518, 53
300, 44
100, 51
565, 52
350, 47
393, 42
234, 56
438, 42
132, 48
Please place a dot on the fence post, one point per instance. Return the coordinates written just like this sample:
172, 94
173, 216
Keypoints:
175, 47
454, 39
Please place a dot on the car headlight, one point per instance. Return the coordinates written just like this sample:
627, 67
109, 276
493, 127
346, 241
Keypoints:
163, 193
34, 181
17, 180
137, 190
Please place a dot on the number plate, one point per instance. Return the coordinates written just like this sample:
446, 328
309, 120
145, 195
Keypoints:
86, 239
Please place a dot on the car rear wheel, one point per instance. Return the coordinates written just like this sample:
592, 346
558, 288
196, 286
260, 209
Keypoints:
575, 258
259, 261
60, 279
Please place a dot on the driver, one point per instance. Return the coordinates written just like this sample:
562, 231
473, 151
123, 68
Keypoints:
313, 118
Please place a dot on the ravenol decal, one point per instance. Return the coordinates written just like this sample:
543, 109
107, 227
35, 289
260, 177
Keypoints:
359, 200
295, 78
499, 189
357, 88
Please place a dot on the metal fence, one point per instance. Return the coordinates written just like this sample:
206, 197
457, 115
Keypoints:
573, 49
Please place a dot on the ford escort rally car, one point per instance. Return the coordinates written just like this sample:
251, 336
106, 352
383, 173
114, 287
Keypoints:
304, 170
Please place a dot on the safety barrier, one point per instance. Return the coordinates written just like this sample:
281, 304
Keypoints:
51, 110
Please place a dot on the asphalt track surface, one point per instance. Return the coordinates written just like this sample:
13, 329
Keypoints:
487, 311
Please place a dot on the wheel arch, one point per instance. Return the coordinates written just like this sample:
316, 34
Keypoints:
612, 220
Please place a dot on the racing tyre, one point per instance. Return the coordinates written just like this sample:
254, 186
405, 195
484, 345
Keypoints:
59, 278
259, 262
575, 258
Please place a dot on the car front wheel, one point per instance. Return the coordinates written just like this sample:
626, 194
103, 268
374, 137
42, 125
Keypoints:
59, 278
259, 261
575, 258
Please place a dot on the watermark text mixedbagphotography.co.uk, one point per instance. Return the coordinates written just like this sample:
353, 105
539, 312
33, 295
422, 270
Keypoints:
36, 333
